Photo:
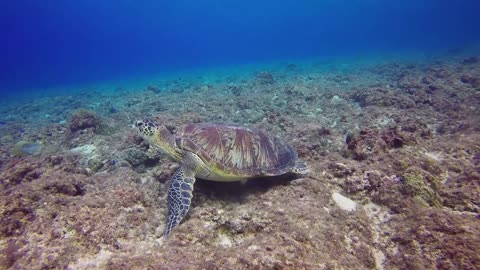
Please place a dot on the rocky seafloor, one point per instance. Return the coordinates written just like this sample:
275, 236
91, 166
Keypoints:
394, 152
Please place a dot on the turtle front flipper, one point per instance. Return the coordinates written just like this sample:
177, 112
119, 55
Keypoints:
179, 197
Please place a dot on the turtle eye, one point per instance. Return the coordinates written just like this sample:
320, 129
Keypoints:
139, 123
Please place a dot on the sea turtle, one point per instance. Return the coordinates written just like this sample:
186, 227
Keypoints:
217, 152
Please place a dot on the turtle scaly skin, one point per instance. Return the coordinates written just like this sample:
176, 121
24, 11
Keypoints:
217, 152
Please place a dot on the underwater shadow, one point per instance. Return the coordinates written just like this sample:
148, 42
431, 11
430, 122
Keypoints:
239, 190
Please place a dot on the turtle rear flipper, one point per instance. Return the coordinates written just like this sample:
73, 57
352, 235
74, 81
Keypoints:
179, 197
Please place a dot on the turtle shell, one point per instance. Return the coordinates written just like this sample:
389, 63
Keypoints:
237, 150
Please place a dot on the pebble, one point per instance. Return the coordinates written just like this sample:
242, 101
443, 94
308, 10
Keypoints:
343, 202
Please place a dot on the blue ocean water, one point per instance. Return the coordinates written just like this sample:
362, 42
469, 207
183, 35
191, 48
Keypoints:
48, 44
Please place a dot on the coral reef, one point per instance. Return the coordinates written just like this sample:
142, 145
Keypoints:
393, 148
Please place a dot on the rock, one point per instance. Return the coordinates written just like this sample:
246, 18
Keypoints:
264, 78
438, 233
154, 89
422, 186
83, 119
344, 203
373, 141
471, 60
381, 97
291, 67
135, 156
340, 170
471, 80
69, 186
20, 172
87, 150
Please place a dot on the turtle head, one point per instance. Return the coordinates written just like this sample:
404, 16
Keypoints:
301, 168
159, 136
146, 127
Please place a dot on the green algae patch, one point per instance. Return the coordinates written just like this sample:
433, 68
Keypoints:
95, 165
24, 148
422, 186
